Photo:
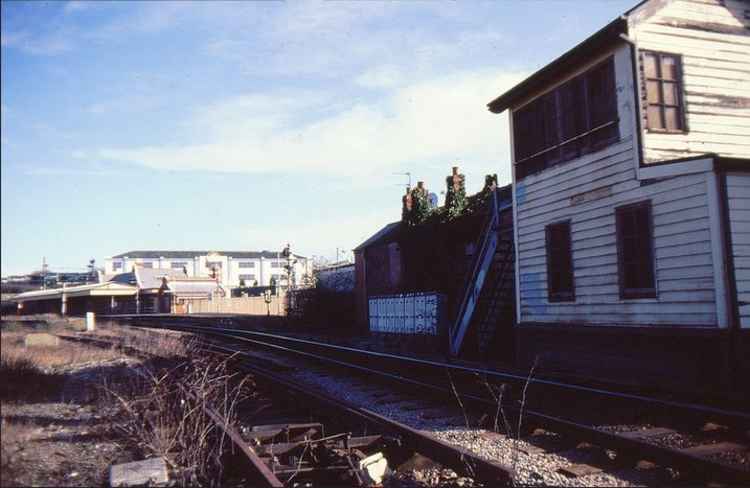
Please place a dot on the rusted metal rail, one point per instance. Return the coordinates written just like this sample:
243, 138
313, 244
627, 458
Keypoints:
267, 477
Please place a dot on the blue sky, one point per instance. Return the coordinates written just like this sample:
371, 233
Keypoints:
246, 125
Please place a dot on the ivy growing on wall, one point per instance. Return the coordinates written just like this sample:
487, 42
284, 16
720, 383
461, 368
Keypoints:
416, 209
455, 196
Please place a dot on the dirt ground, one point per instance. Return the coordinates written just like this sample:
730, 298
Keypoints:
58, 428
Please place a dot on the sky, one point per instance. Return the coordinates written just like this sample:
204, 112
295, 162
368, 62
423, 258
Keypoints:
246, 125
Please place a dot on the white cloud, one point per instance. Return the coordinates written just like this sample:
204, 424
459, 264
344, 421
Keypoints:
318, 236
77, 5
421, 123
380, 77
46, 45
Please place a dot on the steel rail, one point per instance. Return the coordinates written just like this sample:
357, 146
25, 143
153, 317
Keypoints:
732, 415
268, 478
645, 450
457, 458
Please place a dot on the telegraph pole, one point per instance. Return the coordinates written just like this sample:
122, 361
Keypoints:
44, 272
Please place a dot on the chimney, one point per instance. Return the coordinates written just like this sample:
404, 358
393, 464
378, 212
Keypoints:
406, 204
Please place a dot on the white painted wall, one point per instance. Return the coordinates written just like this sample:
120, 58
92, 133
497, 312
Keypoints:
738, 194
716, 81
682, 244
230, 267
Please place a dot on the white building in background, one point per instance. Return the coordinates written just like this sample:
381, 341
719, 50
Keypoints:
230, 267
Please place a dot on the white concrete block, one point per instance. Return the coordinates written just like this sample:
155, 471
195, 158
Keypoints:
149, 471
90, 322
41, 339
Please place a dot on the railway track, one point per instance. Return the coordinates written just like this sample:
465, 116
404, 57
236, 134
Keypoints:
309, 438
702, 443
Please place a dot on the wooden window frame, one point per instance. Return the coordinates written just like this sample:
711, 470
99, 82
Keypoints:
635, 293
560, 150
680, 89
564, 295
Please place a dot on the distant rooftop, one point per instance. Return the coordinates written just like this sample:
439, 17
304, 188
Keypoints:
193, 254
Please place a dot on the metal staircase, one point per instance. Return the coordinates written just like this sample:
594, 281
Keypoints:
483, 267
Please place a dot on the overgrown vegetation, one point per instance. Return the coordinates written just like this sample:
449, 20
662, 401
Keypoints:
165, 414
32, 372
416, 210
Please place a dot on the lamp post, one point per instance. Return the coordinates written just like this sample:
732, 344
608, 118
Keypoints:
267, 299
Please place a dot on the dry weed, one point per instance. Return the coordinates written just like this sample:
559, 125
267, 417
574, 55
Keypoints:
165, 414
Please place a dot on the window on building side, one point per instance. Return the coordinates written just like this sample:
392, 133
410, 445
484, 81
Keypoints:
635, 251
116, 265
213, 264
576, 118
147, 265
247, 264
663, 91
247, 277
276, 264
560, 286
179, 264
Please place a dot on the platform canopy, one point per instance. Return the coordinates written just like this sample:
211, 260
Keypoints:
96, 289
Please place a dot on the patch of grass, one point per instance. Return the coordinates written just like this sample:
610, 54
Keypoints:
34, 372
47, 358
22, 378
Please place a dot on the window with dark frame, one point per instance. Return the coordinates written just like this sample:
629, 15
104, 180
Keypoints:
576, 118
560, 285
662, 82
635, 251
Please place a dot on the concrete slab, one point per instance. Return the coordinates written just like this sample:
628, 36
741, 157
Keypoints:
41, 339
149, 471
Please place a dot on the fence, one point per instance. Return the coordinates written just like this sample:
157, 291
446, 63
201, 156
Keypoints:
411, 313
241, 305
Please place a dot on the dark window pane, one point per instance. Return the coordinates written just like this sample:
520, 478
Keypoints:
670, 93
672, 118
649, 65
668, 67
653, 93
654, 117
549, 130
559, 263
635, 261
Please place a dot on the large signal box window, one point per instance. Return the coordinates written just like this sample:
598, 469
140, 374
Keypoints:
576, 118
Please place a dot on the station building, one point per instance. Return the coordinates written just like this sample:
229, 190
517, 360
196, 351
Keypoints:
232, 268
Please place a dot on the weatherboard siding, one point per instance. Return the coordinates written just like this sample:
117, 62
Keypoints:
586, 192
738, 195
682, 246
713, 38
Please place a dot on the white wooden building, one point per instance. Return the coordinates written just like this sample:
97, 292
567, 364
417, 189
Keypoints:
631, 177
